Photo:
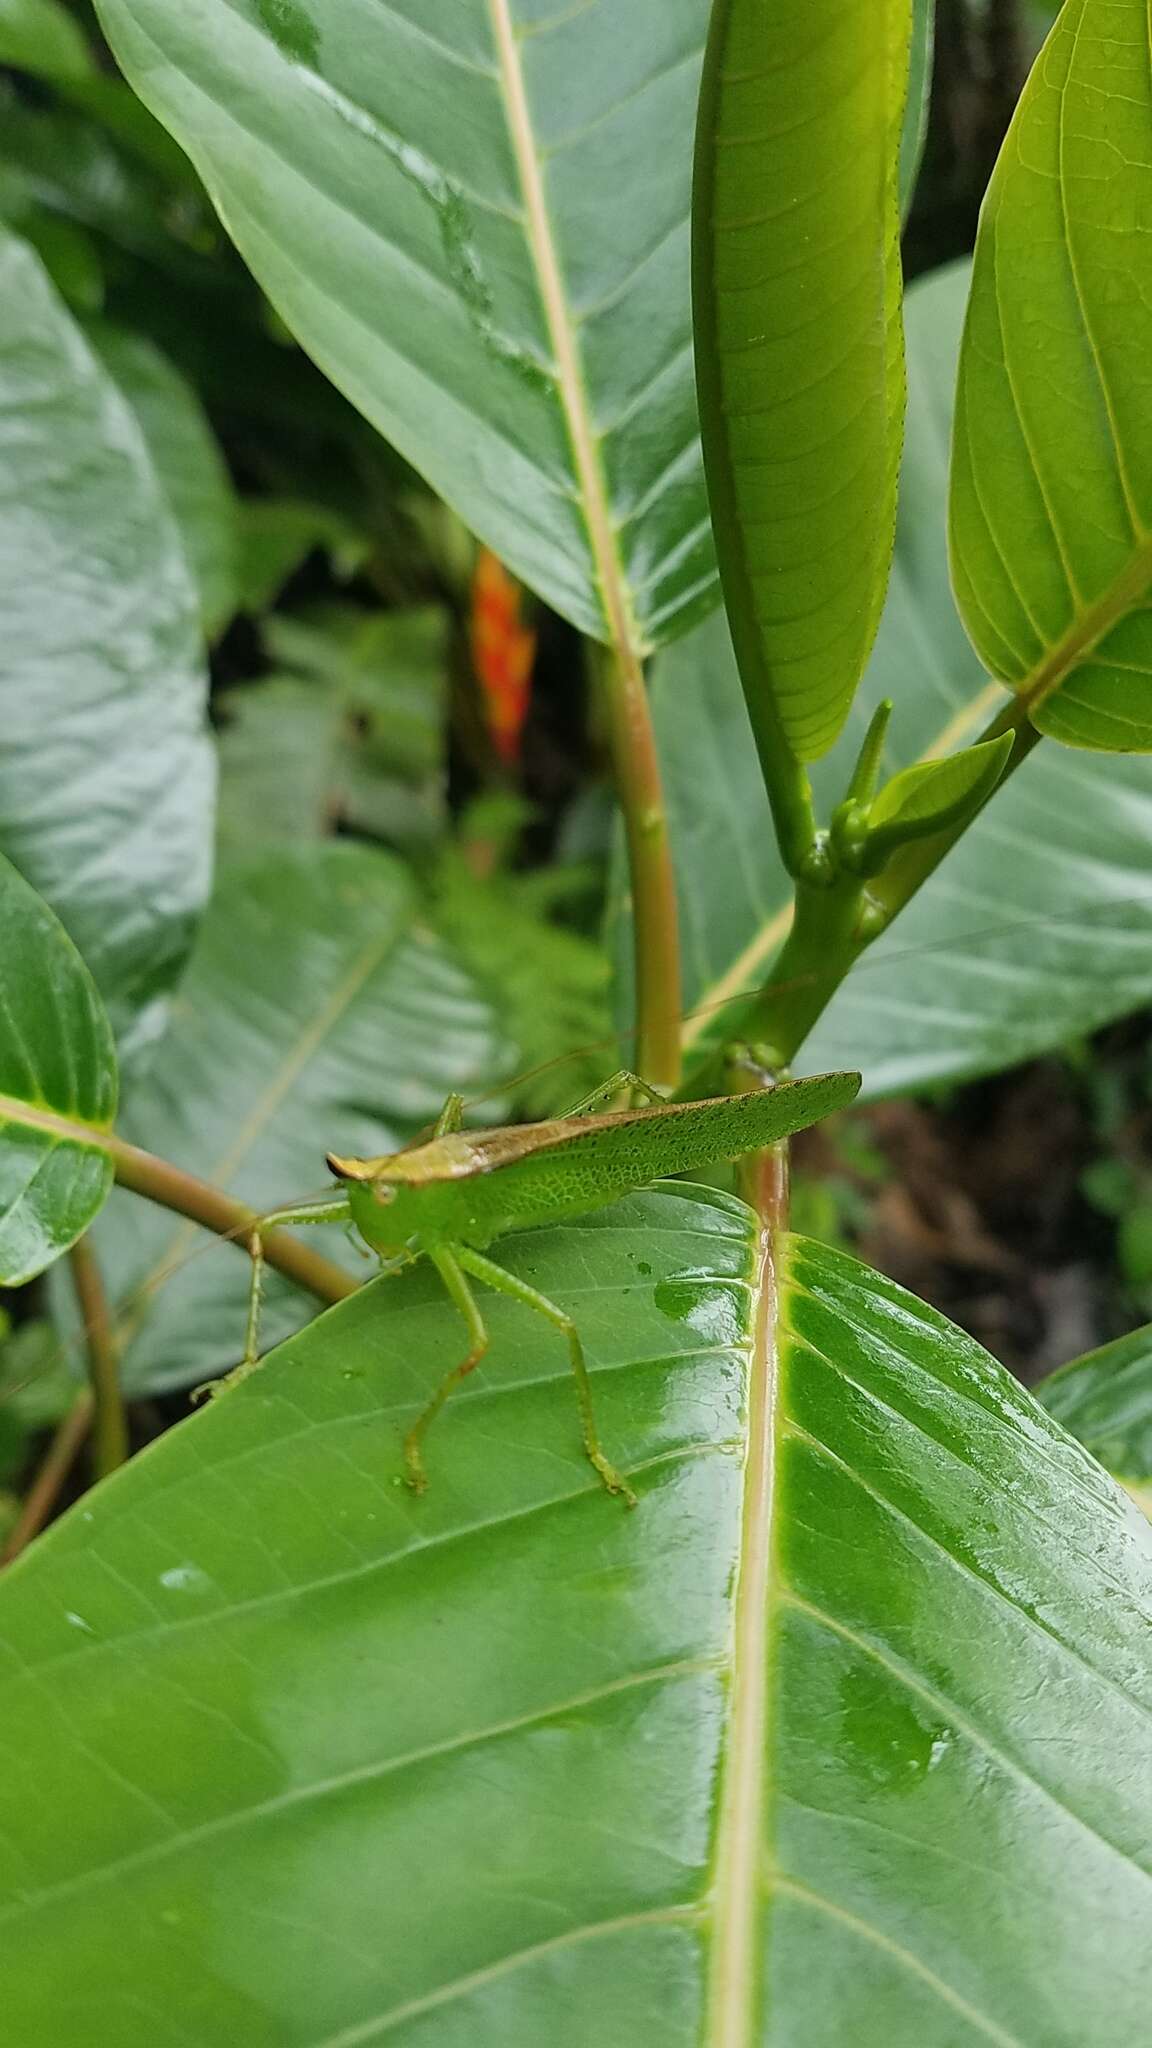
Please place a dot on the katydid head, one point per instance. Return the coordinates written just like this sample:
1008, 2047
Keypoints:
376, 1202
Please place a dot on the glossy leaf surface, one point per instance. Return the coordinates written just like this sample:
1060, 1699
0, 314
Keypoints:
432, 199
1105, 1399
188, 461
1051, 517
106, 771
966, 980
344, 1033
799, 348
505, 1764
56, 1059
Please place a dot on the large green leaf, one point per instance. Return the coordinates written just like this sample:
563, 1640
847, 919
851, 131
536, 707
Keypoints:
1105, 1399
106, 771
435, 206
799, 349
794, 1752
1037, 926
1052, 484
319, 1012
56, 1060
188, 461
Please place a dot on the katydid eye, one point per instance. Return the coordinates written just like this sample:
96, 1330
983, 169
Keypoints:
382, 1193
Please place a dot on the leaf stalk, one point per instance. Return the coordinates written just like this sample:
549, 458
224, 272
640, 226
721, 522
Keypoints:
109, 1420
835, 923
655, 917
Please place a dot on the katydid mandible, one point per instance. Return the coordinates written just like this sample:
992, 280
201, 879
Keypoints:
451, 1197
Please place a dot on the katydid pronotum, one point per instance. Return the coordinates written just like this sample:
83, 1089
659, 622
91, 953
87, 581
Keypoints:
451, 1197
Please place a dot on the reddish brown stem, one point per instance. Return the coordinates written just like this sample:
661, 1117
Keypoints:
109, 1422
655, 917
159, 1181
45, 1489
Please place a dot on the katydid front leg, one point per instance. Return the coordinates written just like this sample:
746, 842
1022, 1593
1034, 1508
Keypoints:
452, 1267
335, 1211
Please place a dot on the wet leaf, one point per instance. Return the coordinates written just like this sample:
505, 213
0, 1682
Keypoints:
795, 1751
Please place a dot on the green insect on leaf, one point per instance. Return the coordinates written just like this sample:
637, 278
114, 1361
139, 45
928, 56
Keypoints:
451, 1198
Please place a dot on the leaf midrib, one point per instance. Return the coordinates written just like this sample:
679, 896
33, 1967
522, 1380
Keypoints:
570, 384
66, 1130
1089, 627
738, 1872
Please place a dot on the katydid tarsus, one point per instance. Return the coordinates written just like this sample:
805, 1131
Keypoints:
452, 1197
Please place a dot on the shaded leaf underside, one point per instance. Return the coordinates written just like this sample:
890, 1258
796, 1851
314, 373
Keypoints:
435, 208
106, 770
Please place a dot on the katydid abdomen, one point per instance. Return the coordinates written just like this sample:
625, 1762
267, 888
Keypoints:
472, 1188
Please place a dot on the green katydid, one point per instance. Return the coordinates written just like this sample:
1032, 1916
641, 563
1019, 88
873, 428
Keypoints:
451, 1197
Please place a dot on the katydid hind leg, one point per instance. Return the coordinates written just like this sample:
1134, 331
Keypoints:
336, 1211
461, 1296
609, 1089
503, 1282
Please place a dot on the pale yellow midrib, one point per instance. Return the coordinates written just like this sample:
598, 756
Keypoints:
569, 375
738, 1887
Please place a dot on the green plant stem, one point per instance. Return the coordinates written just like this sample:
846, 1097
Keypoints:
655, 922
833, 925
109, 1421
910, 869
44, 1491
159, 1181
